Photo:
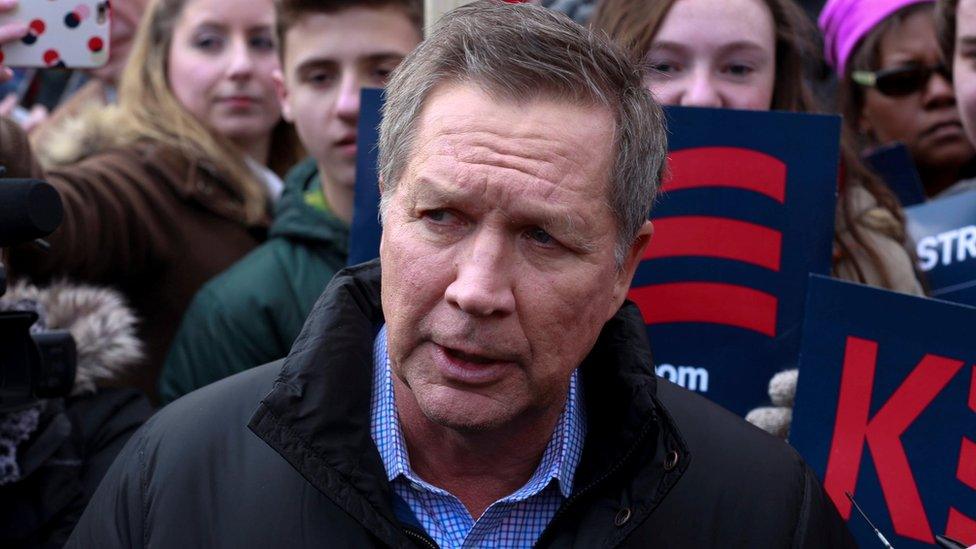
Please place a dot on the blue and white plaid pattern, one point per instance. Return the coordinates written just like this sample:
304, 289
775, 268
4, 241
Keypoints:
514, 521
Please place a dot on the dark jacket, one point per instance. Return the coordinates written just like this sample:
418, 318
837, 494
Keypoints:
660, 468
63, 463
77, 438
252, 313
142, 218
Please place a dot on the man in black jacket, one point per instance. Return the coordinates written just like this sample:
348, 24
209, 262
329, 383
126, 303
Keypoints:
483, 384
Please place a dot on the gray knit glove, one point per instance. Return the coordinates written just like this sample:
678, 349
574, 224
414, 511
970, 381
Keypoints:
776, 419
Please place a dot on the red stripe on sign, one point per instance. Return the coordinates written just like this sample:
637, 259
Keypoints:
704, 236
709, 302
727, 167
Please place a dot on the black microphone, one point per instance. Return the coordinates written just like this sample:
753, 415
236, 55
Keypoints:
29, 209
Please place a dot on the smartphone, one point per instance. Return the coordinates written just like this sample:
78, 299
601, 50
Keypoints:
63, 34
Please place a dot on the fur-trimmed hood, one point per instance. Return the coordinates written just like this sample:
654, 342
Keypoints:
75, 138
101, 323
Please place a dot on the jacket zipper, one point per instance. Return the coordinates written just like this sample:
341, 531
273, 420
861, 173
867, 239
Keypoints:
426, 540
575, 497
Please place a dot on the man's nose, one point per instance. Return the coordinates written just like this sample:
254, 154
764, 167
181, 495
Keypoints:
701, 91
347, 104
483, 281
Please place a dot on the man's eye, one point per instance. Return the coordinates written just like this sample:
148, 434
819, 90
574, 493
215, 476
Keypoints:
318, 78
541, 237
440, 216
381, 74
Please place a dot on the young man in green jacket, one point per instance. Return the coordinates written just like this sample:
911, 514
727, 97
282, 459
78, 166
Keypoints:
252, 313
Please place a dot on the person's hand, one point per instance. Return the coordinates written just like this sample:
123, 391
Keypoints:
10, 32
28, 120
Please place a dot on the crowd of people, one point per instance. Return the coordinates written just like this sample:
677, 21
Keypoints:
207, 175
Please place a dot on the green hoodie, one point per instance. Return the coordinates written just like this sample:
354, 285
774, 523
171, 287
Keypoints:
252, 312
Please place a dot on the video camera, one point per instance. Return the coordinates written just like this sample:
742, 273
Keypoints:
32, 366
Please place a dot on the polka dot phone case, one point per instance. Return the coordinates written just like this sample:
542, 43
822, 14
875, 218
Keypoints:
63, 33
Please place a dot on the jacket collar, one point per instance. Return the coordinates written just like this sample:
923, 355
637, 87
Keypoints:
295, 219
317, 415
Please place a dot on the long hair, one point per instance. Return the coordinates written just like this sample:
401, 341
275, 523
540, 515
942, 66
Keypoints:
634, 23
151, 111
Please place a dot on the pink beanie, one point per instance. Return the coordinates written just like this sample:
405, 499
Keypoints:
845, 22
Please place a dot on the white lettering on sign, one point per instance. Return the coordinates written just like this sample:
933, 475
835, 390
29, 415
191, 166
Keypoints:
689, 377
947, 248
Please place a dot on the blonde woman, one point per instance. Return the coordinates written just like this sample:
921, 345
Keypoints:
173, 185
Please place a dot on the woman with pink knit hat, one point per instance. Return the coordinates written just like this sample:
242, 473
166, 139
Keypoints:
894, 85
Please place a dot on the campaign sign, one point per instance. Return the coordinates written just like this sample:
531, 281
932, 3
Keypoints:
745, 215
894, 165
944, 232
364, 235
886, 411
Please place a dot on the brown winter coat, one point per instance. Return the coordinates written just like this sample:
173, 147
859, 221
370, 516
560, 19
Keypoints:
140, 217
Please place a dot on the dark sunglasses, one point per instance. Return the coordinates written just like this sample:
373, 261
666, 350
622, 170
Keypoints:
900, 80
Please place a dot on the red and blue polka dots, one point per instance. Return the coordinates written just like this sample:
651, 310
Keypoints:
61, 33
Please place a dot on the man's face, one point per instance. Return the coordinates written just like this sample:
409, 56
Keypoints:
328, 59
498, 256
964, 65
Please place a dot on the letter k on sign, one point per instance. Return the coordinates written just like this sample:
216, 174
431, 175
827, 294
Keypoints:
883, 436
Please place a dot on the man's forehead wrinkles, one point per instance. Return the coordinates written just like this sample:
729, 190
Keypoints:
474, 136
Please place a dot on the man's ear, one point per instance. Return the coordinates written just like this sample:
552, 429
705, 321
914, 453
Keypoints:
281, 90
625, 274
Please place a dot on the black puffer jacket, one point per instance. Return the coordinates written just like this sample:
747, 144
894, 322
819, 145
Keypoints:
661, 467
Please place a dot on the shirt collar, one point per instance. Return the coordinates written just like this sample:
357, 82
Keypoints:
559, 460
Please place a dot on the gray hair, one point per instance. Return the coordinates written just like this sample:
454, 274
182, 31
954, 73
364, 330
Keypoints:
521, 52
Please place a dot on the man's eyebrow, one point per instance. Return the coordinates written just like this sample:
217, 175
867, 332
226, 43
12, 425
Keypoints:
379, 57
565, 223
314, 63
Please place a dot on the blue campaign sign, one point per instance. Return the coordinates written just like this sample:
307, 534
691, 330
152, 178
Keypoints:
894, 164
886, 411
364, 235
746, 214
944, 232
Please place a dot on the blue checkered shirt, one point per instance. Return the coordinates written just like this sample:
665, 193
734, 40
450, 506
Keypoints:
513, 521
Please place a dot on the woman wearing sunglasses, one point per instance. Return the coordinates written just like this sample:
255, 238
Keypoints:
894, 85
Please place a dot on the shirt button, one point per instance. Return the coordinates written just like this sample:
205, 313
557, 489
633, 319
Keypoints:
622, 517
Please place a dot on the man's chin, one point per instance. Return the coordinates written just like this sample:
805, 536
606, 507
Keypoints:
465, 414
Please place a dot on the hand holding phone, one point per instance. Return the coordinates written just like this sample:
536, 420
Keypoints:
9, 32
54, 33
